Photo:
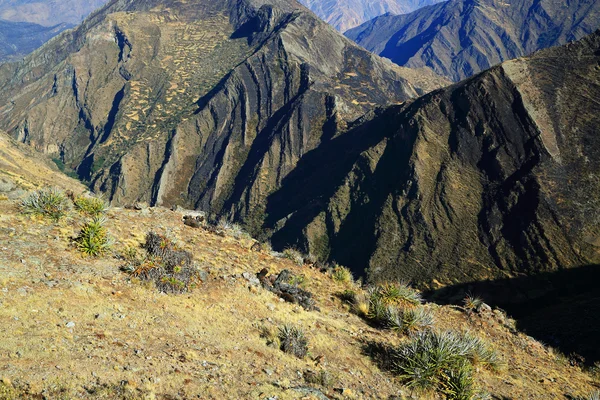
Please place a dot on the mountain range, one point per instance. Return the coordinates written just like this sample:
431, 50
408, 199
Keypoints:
346, 14
18, 39
48, 12
459, 38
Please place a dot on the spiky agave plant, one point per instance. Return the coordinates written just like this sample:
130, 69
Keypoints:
94, 240
48, 202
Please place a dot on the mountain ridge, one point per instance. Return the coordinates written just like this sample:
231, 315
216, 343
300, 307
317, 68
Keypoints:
462, 37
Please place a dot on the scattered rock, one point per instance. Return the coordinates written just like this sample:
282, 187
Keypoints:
253, 280
70, 324
280, 285
139, 206
194, 221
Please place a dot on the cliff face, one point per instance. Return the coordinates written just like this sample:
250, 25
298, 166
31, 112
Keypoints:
493, 177
346, 14
459, 38
202, 104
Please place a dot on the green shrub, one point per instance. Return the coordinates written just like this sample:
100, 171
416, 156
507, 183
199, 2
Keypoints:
415, 319
90, 205
342, 275
438, 360
93, 240
50, 202
293, 341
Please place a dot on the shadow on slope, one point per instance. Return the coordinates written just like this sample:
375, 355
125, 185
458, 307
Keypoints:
558, 308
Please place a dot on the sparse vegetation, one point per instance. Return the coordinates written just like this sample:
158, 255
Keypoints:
342, 274
90, 205
94, 240
397, 293
293, 341
49, 202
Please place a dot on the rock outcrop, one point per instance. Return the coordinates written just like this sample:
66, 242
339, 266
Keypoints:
459, 38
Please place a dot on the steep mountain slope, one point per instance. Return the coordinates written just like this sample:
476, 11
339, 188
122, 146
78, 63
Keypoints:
18, 39
200, 103
346, 14
462, 37
491, 178
48, 12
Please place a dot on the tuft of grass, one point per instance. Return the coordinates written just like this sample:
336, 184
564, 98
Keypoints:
294, 255
342, 275
92, 206
321, 378
93, 240
293, 341
438, 361
48, 202
472, 303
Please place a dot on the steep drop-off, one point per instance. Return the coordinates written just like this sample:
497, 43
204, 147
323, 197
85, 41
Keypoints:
491, 178
462, 37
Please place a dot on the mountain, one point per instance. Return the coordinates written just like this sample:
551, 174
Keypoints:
462, 37
20, 38
346, 14
494, 177
202, 104
48, 12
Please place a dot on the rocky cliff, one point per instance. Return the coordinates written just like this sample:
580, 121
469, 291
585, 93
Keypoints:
203, 104
346, 14
459, 38
491, 178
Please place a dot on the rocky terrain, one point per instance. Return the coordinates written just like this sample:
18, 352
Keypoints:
48, 12
18, 39
459, 38
346, 14
75, 326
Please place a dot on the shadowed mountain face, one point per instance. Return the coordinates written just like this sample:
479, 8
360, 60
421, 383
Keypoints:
491, 178
462, 37
204, 104
346, 14
20, 38
48, 12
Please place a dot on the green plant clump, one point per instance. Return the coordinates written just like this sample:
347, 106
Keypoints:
49, 202
342, 274
91, 205
443, 361
93, 240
